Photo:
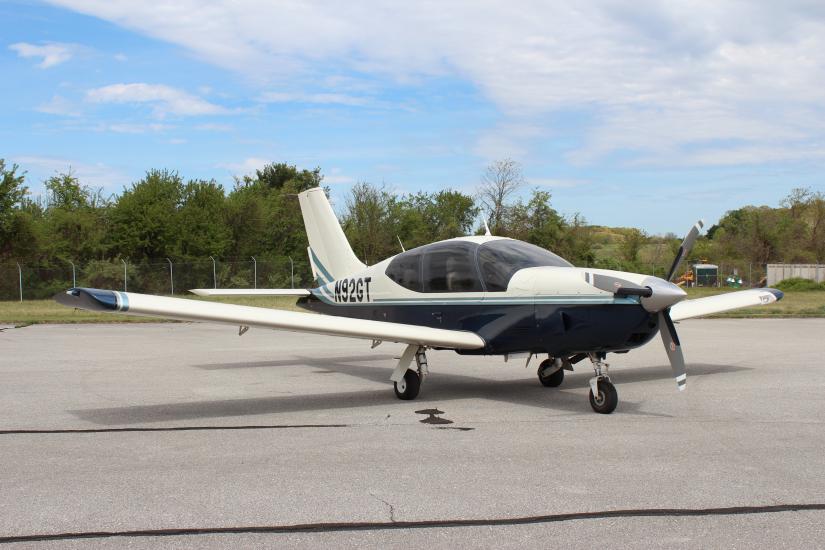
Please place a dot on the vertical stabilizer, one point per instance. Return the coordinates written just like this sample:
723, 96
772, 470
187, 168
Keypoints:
329, 251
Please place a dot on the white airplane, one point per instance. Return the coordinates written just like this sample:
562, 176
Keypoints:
479, 295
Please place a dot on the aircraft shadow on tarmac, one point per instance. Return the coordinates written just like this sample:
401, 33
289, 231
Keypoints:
443, 387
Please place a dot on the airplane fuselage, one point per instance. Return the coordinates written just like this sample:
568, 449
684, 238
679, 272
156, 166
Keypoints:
539, 303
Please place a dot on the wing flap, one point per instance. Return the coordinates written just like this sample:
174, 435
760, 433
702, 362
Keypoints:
688, 309
194, 310
250, 291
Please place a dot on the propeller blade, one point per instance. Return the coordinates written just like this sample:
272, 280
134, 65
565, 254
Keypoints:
674, 350
684, 248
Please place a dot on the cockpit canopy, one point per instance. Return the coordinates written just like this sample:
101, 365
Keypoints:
467, 266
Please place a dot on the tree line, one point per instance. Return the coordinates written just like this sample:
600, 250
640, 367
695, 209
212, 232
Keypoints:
163, 215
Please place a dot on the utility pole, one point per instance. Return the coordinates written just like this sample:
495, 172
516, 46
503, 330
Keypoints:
214, 274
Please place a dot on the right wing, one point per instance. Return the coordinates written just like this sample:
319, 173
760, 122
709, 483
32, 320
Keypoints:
181, 309
724, 302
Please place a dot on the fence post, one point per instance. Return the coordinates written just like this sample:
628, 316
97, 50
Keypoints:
291, 272
171, 276
74, 275
20, 279
254, 272
124, 274
214, 274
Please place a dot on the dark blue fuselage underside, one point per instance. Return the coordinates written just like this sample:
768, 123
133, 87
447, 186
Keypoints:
556, 329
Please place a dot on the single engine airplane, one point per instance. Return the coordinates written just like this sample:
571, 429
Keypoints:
480, 295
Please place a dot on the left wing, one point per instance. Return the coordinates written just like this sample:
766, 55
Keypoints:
148, 305
724, 302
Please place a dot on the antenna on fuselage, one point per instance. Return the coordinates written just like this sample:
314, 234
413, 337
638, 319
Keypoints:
402, 244
487, 229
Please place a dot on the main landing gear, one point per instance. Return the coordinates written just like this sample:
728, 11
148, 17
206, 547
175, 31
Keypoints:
407, 382
551, 372
603, 396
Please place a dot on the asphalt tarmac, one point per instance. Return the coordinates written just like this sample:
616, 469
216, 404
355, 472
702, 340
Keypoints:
186, 435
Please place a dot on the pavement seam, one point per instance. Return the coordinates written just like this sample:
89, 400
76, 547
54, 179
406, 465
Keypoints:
424, 524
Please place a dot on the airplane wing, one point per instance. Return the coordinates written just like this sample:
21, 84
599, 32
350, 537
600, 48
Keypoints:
250, 291
182, 309
724, 302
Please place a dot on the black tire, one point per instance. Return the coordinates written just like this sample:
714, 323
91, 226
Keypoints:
606, 401
409, 387
553, 380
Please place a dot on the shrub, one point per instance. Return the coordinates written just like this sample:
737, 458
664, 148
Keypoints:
797, 284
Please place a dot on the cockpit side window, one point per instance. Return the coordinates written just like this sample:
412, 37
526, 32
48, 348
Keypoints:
405, 269
499, 260
451, 267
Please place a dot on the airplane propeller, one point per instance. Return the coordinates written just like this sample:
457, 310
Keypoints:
658, 296
666, 327
684, 248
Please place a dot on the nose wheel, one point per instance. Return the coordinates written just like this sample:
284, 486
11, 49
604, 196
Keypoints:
606, 398
603, 396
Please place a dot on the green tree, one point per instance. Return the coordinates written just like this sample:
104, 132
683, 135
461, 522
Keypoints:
18, 232
202, 220
633, 241
368, 222
144, 218
75, 220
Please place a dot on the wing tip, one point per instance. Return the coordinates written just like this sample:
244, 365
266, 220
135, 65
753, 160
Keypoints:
778, 294
92, 299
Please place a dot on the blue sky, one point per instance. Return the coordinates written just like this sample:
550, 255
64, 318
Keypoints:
645, 114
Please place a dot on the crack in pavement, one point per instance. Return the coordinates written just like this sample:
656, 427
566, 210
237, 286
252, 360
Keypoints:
390, 506
422, 524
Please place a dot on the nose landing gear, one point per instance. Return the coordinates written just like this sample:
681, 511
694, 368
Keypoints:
603, 396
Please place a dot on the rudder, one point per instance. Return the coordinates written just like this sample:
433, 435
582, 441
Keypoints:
330, 254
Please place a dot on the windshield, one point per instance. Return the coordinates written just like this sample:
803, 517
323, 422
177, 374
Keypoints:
499, 260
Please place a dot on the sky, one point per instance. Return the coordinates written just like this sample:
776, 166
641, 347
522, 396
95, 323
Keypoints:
642, 114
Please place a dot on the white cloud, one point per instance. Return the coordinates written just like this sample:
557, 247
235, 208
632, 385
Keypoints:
322, 99
50, 53
646, 76
247, 166
336, 177
557, 183
97, 175
164, 99
59, 105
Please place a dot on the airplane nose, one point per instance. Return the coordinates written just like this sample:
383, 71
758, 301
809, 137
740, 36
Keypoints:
664, 294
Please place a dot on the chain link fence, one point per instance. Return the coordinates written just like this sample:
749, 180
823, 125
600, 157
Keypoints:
165, 276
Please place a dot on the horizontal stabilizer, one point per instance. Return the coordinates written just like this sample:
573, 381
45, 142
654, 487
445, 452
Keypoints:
230, 314
688, 309
250, 291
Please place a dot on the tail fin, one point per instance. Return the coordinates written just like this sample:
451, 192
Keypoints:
329, 251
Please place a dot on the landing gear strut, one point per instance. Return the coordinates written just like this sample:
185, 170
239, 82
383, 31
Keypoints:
603, 396
407, 382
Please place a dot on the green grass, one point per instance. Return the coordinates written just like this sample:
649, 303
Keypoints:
31, 312
794, 304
